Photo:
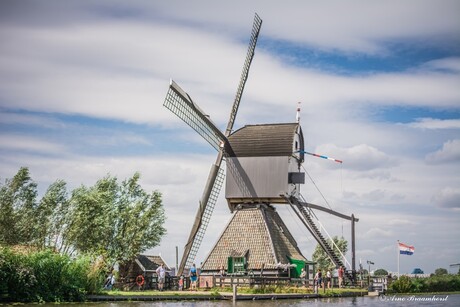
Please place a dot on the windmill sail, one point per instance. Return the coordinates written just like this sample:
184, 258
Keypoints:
203, 216
180, 103
244, 75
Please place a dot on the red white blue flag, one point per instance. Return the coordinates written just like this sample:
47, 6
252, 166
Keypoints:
406, 249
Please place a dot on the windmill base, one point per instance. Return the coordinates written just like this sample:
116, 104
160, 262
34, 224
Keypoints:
255, 242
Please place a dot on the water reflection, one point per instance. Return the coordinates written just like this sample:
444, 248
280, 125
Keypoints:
391, 301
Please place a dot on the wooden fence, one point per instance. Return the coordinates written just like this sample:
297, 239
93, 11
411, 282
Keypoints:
211, 281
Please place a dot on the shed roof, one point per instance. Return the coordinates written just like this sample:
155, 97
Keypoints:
151, 262
264, 140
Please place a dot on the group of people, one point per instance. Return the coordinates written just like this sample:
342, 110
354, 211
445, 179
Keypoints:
318, 279
193, 278
193, 274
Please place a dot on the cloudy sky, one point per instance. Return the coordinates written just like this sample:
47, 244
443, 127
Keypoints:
83, 84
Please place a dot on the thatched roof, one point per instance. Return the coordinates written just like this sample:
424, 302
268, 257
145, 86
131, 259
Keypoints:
257, 233
264, 140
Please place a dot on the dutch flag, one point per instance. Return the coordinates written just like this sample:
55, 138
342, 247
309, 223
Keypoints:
406, 249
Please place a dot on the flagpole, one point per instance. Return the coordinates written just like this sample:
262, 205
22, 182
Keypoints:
397, 250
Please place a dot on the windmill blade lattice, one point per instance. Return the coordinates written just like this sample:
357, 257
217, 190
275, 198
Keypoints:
196, 238
244, 75
180, 103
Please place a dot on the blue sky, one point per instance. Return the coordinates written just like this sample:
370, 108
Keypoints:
82, 86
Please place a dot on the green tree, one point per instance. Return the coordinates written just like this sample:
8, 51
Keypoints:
323, 260
440, 271
380, 272
17, 209
115, 220
53, 215
110, 219
89, 217
137, 219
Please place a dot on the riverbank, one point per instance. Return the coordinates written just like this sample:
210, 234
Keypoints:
215, 295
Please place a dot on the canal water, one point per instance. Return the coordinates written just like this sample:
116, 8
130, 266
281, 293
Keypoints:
390, 300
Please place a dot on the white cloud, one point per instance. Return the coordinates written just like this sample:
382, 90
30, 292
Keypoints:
381, 175
30, 120
113, 60
119, 69
447, 198
449, 153
359, 157
447, 64
30, 144
124, 139
324, 24
401, 222
378, 232
433, 123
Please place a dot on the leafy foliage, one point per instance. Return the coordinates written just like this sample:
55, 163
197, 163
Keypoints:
52, 215
323, 260
115, 220
440, 271
46, 276
17, 207
380, 272
110, 221
434, 283
402, 285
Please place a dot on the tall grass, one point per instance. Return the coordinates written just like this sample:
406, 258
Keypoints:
434, 283
45, 276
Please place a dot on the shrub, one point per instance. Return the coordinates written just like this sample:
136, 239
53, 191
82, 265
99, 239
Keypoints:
46, 276
419, 285
440, 271
402, 285
434, 283
380, 272
443, 283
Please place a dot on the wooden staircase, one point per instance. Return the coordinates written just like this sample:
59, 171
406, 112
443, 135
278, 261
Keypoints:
305, 214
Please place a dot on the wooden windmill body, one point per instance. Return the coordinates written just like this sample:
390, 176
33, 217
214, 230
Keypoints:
263, 168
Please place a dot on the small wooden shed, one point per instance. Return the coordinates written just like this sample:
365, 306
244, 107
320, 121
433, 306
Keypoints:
143, 265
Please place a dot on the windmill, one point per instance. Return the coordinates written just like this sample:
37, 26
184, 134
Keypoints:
263, 168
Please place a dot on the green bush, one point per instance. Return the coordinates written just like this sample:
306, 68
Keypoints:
434, 283
419, 285
402, 285
15, 278
46, 276
380, 272
443, 283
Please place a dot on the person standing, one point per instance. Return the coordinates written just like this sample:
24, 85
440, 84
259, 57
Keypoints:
181, 283
193, 277
318, 280
328, 278
222, 274
109, 281
161, 273
340, 273
303, 277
